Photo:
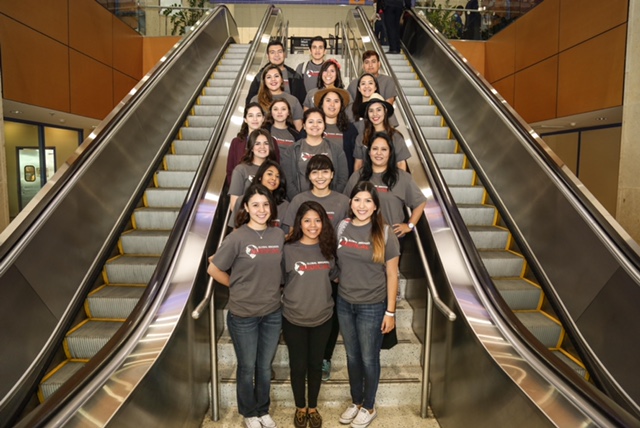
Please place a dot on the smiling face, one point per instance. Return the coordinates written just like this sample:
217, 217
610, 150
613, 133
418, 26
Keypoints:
317, 51
271, 178
321, 178
379, 153
371, 65
254, 118
259, 211
331, 105
363, 207
311, 226
275, 54
273, 81
367, 87
376, 113
329, 76
314, 125
279, 112
260, 148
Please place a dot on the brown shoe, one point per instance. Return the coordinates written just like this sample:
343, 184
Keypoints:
300, 419
315, 420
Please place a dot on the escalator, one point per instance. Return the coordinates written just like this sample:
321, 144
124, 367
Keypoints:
112, 210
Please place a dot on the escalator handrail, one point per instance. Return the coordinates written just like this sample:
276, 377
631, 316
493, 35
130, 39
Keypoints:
162, 272
449, 209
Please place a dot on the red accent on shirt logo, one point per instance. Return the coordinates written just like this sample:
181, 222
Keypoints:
382, 189
350, 243
253, 250
302, 267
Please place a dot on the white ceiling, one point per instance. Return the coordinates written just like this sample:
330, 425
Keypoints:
610, 116
37, 114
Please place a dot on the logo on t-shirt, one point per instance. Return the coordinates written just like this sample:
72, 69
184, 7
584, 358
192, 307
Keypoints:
250, 178
311, 73
381, 188
332, 135
283, 142
302, 267
304, 156
350, 243
331, 215
255, 250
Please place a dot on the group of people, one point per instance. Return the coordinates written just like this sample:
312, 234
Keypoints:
319, 190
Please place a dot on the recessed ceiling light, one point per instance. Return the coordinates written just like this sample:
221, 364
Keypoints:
62, 121
601, 118
15, 112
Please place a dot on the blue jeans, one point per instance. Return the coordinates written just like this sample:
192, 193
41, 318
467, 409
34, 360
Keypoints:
360, 326
255, 340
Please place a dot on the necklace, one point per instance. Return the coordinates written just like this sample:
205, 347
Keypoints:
260, 235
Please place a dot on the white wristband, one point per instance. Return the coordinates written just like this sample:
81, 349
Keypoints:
389, 314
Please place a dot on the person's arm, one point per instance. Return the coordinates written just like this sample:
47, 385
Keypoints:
220, 276
402, 229
389, 321
342, 172
357, 164
298, 124
402, 165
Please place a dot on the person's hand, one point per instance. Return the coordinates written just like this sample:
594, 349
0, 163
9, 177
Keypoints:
388, 324
401, 229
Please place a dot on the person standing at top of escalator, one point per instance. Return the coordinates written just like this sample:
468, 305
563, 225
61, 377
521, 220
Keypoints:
310, 70
393, 10
472, 23
293, 83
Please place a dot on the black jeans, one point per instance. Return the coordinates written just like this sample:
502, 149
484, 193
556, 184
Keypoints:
306, 349
391, 16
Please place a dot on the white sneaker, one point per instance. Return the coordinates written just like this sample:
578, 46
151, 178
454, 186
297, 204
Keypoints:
349, 415
253, 422
267, 421
364, 418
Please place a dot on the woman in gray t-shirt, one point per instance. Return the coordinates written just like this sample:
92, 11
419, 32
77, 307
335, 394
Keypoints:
255, 317
368, 256
307, 305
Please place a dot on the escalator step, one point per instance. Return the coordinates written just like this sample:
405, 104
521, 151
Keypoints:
467, 194
489, 237
201, 110
404, 76
175, 178
213, 91
219, 82
450, 160
202, 121
416, 91
57, 377
164, 197
189, 147
462, 177
234, 55
147, 242
477, 214
228, 68
155, 218
435, 132
544, 328
502, 263
225, 75
519, 293
429, 121
414, 99
442, 145
209, 100
193, 133
129, 269
113, 301
425, 110
581, 371
182, 162
87, 338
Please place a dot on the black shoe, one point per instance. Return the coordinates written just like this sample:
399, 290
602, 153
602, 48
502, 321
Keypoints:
393, 52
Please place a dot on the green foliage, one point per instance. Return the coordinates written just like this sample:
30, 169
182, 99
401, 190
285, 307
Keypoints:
181, 19
443, 20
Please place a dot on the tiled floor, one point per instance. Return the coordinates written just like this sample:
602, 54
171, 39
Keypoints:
388, 417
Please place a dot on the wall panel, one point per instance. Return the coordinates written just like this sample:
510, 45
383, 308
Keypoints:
591, 75
535, 42
536, 91
581, 20
473, 51
91, 86
90, 30
566, 147
501, 54
506, 88
154, 48
35, 67
51, 18
122, 84
127, 49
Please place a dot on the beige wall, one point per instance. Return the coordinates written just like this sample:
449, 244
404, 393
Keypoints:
4, 186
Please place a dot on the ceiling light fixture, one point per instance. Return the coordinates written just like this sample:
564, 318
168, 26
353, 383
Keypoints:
15, 112
601, 118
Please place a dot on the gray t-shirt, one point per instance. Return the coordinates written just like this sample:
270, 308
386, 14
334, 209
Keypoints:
309, 72
254, 285
362, 280
241, 178
307, 152
333, 133
392, 201
306, 300
308, 101
335, 204
296, 108
399, 146
282, 137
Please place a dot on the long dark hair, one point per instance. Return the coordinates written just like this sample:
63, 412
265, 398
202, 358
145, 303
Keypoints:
244, 129
390, 176
327, 238
256, 189
357, 101
281, 192
248, 154
369, 129
377, 221
264, 95
342, 121
325, 65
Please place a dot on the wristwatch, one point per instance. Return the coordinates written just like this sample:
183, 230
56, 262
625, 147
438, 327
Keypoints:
411, 225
